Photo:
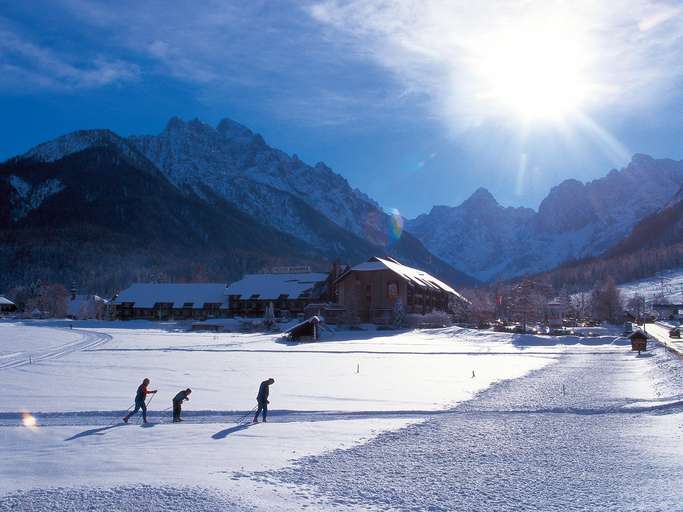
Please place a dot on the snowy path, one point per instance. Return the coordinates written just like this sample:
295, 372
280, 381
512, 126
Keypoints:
76, 340
109, 418
610, 443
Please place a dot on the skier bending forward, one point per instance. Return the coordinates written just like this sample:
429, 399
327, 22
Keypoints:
178, 403
262, 399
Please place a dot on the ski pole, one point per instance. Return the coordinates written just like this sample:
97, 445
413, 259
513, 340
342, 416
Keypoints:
127, 411
247, 414
149, 401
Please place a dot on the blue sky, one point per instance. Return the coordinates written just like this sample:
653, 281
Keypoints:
415, 102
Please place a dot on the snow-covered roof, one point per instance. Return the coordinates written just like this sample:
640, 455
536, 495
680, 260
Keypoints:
73, 306
272, 286
314, 319
145, 295
410, 274
5, 301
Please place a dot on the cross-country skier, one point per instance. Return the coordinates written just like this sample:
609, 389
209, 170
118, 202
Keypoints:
140, 401
178, 403
262, 399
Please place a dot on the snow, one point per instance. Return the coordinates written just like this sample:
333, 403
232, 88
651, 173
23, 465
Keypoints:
32, 196
575, 220
272, 286
84, 306
367, 420
145, 295
607, 443
262, 181
5, 301
666, 285
21, 345
410, 274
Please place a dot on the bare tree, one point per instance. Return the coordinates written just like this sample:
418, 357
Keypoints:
636, 306
50, 299
607, 302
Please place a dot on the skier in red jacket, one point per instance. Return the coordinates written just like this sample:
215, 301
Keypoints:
140, 401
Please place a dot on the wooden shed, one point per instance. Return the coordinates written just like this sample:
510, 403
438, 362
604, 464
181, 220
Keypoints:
638, 341
308, 330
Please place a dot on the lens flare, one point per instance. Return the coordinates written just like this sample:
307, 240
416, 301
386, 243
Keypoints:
395, 224
28, 420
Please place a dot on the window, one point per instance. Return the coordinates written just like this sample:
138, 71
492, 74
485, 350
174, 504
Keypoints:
392, 289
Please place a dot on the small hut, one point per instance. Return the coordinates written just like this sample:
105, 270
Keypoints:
308, 330
638, 341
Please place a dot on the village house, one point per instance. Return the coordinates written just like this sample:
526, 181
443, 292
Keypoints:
289, 289
171, 301
555, 314
85, 307
371, 290
7, 306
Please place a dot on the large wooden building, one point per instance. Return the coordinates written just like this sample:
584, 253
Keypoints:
371, 290
172, 301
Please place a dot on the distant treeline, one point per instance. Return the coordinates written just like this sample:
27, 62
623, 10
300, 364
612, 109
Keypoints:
583, 274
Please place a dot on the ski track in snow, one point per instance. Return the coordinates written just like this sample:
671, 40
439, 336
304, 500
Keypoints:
88, 340
508, 449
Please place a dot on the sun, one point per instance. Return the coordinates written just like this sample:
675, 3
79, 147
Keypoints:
536, 74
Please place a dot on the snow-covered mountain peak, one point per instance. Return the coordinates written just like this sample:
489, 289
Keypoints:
641, 159
237, 164
81, 140
575, 220
233, 130
72, 143
480, 199
175, 123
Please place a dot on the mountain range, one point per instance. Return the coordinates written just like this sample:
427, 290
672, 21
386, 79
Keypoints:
191, 202
575, 221
197, 201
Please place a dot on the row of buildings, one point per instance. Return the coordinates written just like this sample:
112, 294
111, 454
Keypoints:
372, 291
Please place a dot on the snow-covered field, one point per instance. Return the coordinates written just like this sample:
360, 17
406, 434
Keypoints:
668, 285
431, 401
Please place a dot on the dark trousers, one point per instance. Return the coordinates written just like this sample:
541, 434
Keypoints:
177, 409
140, 405
262, 406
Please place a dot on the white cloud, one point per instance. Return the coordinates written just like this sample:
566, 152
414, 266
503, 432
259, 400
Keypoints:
272, 50
27, 65
625, 55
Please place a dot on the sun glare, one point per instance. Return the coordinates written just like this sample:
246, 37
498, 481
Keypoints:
533, 74
28, 420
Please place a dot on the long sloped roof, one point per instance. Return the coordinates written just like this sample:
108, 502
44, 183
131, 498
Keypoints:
272, 286
145, 295
5, 301
412, 275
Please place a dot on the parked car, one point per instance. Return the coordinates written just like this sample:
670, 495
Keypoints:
675, 332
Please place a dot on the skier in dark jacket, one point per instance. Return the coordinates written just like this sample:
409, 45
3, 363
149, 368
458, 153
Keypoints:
140, 401
262, 399
178, 403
